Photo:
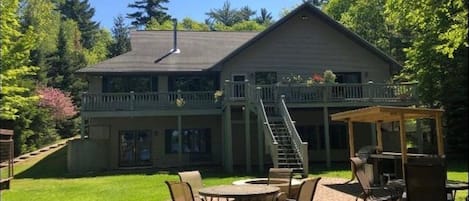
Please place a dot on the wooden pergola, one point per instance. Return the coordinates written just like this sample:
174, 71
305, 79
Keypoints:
385, 114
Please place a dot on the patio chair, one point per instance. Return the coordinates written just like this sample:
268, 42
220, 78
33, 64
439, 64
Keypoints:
180, 191
281, 174
194, 179
370, 192
425, 181
307, 190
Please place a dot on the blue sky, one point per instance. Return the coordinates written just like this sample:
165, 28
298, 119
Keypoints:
106, 10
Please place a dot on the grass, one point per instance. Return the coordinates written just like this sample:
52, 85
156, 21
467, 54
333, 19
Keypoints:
45, 178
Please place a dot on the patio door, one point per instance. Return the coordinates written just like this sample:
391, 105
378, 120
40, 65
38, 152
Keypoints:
239, 88
134, 148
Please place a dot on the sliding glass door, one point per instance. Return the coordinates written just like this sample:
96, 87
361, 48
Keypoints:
134, 148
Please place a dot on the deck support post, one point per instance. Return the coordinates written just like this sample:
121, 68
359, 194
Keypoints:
351, 144
260, 135
326, 136
179, 119
228, 141
247, 131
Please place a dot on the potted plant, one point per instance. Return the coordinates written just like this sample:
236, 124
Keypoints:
217, 95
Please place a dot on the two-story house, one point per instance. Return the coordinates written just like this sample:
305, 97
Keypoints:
158, 105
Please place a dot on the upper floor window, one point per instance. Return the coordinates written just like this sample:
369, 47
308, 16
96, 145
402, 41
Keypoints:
348, 77
136, 83
266, 78
206, 82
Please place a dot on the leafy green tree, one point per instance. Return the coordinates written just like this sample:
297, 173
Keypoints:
335, 8
148, 10
225, 15
437, 58
14, 62
265, 17
166, 25
44, 19
100, 51
192, 25
81, 12
247, 26
120, 36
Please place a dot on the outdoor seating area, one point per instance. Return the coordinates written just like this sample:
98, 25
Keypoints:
276, 187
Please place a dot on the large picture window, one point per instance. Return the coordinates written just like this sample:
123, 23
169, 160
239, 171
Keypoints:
196, 140
208, 82
137, 83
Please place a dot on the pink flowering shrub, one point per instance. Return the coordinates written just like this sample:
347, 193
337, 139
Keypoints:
59, 103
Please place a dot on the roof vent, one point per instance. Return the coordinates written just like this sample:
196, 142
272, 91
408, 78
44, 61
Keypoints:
175, 49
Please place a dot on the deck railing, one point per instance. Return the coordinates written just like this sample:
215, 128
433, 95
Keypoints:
242, 91
268, 134
340, 92
146, 101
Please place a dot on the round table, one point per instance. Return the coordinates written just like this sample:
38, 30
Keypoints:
281, 183
240, 192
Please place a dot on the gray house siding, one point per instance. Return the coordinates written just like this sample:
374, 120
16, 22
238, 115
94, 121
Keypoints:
305, 47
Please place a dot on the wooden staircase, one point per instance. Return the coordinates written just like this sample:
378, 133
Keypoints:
287, 155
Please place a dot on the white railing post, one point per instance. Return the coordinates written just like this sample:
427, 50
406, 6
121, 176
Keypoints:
132, 100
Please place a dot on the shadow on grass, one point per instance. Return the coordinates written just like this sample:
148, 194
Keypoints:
55, 166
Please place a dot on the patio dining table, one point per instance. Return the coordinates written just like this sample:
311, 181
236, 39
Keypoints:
239, 192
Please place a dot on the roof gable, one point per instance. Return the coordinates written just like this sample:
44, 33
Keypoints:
307, 7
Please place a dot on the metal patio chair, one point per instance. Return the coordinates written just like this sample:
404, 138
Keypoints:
280, 174
307, 190
425, 181
370, 192
194, 179
180, 191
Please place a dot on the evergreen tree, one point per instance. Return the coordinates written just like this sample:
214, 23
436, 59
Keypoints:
224, 15
82, 13
67, 60
265, 17
121, 39
245, 13
148, 9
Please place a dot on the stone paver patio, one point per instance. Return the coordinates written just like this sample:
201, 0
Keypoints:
334, 189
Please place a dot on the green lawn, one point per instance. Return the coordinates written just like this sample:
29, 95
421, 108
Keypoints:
46, 179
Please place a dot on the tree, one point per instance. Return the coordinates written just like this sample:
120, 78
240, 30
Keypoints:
247, 26
43, 18
265, 17
192, 25
120, 36
67, 60
245, 13
14, 62
335, 8
100, 50
148, 9
82, 13
224, 15
437, 58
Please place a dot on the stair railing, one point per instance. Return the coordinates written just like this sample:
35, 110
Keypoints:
300, 146
269, 136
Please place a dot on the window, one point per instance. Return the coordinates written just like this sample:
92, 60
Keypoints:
349, 77
266, 78
193, 82
195, 140
138, 83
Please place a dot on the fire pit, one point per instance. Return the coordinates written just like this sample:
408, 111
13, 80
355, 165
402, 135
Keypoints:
281, 183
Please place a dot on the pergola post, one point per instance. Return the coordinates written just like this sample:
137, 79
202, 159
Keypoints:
379, 135
402, 132
439, 135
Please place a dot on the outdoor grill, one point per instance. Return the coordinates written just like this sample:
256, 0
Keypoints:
364, 152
